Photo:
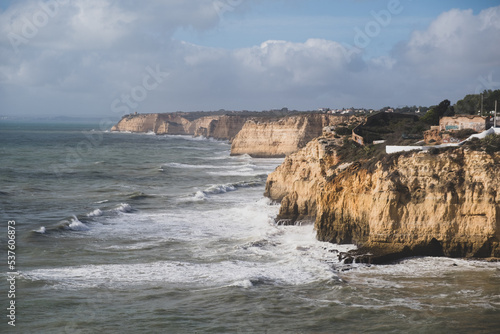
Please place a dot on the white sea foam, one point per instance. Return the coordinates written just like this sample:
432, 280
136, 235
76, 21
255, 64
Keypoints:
41, 230
220, 188
211, 149
216, 189
76, 225
239, 273
95, 213
124, 207
238, 172
188, 166
199, 196
427, 267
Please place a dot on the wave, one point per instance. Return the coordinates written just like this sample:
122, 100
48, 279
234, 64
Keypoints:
95, 213
199, 196
229, 273
41, 230
75, 225
124, 208
138, 195
184, 166
216, 189
239, 172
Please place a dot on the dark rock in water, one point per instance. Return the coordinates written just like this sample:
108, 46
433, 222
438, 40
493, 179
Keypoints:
376, 254
285, 222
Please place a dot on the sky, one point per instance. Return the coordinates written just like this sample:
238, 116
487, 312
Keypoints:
107, 58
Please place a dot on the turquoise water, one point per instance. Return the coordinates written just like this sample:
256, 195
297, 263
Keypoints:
129, 233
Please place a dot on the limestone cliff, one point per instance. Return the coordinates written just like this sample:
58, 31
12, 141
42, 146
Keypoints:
157, 123
223, 127
408, 204
298, 180
228, 127
275, 138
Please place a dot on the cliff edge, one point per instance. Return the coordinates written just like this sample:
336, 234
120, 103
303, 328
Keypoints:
262, 138
222, 127
439, 203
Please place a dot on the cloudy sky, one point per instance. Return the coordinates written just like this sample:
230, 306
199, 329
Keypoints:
105, 58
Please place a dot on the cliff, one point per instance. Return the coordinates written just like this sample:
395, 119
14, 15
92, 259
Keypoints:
157, 123
298, 180
224, 127
404, 205
263, 136
219, 127
278, 138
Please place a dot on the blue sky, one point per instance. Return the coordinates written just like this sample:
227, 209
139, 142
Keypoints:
98, 57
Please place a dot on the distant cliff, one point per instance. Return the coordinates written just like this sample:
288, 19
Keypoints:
408, 204
258, 136
223, 127
275, 138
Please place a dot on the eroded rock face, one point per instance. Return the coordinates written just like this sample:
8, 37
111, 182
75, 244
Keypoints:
411, 204
219, 127
278, 138
157, 123
447, 203
228, 127
298, 180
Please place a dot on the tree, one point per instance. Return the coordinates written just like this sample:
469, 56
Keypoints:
436, 112
471, 103
489, 99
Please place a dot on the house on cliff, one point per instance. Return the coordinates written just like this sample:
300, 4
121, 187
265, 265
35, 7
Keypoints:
453, 129
463, 122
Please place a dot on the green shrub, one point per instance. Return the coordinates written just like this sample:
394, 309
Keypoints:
464, 133
490, 144
343, 131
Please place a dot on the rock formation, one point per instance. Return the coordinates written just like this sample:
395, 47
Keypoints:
258, 136
157, 123
407, 204
299, 179
278, 138
224, 127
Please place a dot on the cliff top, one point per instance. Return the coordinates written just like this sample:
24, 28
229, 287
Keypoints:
267, 114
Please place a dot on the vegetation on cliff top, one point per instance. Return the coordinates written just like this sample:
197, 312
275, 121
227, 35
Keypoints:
490, 144
370, 155
471, 103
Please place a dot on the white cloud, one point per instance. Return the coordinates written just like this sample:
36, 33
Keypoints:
456, 43
92, 51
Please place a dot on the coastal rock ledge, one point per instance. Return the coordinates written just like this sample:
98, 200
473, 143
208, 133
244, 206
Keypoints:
411, 204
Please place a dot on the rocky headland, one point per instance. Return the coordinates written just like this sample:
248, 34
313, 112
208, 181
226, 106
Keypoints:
256, 134
442, 203
222, 127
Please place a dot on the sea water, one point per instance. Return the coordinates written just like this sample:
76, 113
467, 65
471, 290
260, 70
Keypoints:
137, 233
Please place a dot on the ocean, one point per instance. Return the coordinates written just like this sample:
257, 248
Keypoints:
138, 233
